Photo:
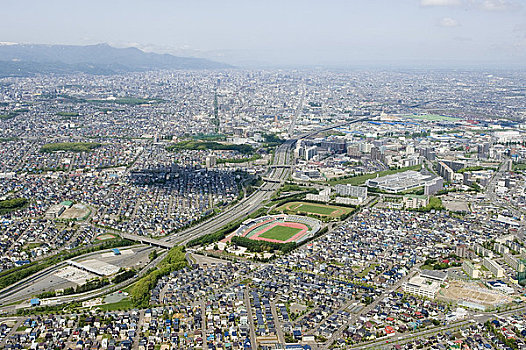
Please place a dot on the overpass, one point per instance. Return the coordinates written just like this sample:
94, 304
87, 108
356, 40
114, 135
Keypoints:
147, 240
90, 269
276, 181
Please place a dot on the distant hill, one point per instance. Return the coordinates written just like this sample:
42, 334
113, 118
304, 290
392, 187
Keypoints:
24, 60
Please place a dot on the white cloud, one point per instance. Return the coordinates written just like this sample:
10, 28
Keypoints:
429, 3
498, 5
448, 22
484, 5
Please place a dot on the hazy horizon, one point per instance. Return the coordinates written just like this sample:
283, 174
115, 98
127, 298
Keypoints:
336, 33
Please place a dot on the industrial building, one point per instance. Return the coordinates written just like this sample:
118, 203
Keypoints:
351, 191
407, 180
421, 286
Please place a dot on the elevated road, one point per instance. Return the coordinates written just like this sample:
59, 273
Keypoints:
297, 113
146, 240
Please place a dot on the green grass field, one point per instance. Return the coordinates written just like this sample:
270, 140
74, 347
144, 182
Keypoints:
69, 146
312, 208
124, 304
316, 209
431, 117
280, 233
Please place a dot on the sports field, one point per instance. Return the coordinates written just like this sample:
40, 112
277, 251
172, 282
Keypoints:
280, 233
431, 117
277, 231
312, 208
105, 236
282, 228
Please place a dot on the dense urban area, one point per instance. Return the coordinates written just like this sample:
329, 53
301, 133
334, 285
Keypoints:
263, 209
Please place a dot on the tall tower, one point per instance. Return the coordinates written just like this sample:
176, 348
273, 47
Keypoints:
215, 117
521, 272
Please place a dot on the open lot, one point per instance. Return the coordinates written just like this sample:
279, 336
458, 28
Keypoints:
456, 205
473, 293
76, 212
312, 208
74, 275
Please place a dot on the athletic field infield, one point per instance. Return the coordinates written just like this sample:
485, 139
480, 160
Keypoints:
332, 211
281, 233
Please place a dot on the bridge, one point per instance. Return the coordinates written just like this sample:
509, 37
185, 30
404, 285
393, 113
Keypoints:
283, 166
147, 240
276, 181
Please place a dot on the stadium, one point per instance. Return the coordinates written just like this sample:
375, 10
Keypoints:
279, 228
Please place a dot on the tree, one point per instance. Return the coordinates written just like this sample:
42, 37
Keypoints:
153, 255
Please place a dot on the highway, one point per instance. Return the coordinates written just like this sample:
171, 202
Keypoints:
297, 113
14, 294
252, 203
279, 172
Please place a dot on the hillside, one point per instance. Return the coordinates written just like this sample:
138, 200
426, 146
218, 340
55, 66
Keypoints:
24, 60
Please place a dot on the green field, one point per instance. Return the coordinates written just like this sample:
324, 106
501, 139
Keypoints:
312, 208
280, 233
209, 145
69, 146
124, 304
7, 116
315, 209
9, 205
431, 117
68, 114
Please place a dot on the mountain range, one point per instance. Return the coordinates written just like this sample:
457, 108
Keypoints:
27, 60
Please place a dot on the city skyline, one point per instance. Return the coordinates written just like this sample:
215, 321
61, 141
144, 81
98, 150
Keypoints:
249, 175
414, 33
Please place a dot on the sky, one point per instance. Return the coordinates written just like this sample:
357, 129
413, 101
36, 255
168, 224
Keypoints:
339, 33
